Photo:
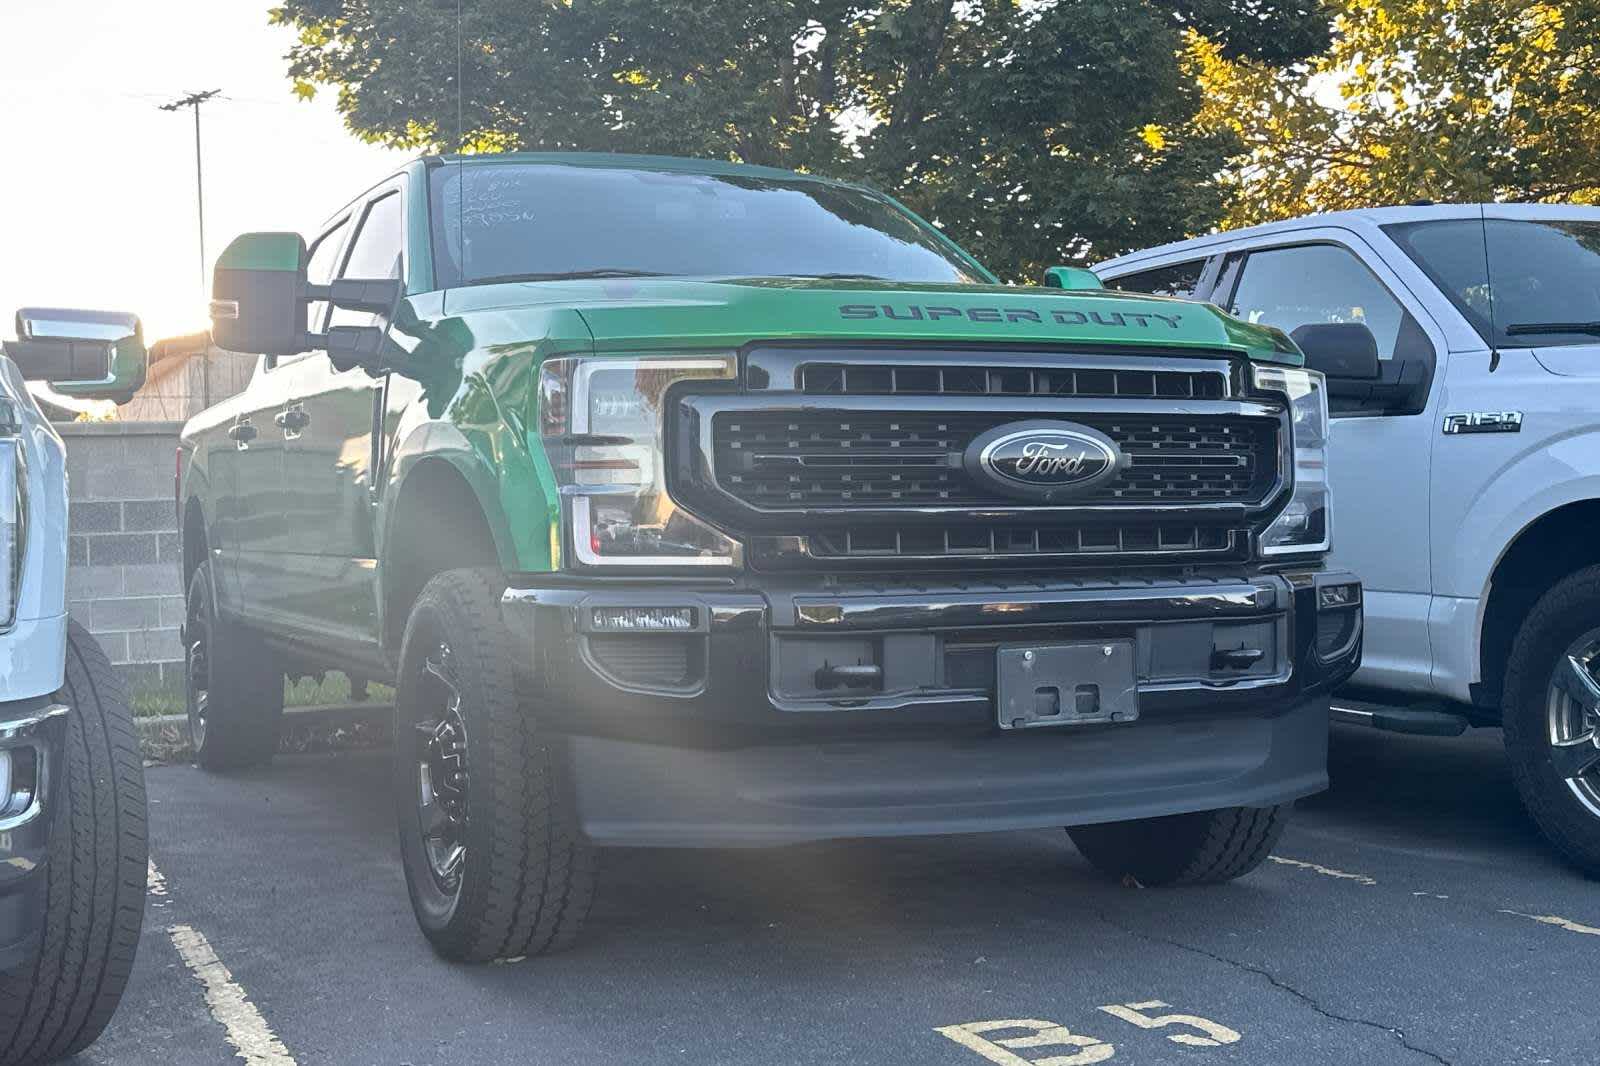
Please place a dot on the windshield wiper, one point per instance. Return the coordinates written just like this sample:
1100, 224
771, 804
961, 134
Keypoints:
1524, 328
568, 275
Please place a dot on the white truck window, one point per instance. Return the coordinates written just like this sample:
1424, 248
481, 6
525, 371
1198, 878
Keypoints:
1174, 279
1309, 283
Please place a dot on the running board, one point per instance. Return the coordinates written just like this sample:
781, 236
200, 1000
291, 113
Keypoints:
1416, 720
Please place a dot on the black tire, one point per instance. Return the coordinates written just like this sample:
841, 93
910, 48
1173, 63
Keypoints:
233, 686
525, 878
95, 877
1206, 847
1560, 617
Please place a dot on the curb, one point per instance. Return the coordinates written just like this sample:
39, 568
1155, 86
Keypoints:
153, 726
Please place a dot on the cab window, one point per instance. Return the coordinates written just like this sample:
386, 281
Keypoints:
1175, 279
319, 269
375, 252
1313, 283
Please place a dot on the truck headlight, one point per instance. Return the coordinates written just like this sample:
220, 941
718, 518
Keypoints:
601, 421
1305, 524
13, 513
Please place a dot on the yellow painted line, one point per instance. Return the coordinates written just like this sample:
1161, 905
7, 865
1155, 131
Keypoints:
155, 883
252, 1039
1325, 871
1560, 923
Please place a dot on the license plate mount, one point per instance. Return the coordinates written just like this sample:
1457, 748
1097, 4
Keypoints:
1065, 684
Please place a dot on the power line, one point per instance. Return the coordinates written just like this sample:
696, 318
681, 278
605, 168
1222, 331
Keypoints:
194, 100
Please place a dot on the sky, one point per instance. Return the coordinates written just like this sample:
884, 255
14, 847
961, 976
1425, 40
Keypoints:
97, 185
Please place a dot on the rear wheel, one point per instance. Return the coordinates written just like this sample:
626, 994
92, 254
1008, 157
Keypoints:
1552, 717
495, 863
57, 1005
233, 686
1205, 847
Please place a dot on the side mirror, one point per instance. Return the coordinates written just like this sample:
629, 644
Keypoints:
1072, 278
1344, 350
259, 296
91, 355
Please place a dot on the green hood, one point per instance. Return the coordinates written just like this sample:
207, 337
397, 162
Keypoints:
637, 314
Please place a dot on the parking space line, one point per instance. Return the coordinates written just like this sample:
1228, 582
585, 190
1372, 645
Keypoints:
1561, 923
1325, 871
253, 1040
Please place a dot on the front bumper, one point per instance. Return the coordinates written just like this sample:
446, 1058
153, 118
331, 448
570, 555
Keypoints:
32, 736
735, 728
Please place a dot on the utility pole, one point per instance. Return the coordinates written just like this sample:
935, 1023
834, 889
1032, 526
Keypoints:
194, 100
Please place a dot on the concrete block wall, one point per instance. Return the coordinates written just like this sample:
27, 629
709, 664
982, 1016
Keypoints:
123, 582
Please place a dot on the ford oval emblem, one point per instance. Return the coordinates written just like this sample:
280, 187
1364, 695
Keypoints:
1042, 461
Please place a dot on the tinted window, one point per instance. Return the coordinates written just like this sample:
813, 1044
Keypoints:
319, 269
1512, 274
524, 221
1292, 287
1178, 279
375, 252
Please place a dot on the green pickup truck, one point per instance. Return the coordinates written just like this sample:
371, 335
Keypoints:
694, 504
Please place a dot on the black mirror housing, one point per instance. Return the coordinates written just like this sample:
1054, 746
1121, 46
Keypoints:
1344, 350
258, 292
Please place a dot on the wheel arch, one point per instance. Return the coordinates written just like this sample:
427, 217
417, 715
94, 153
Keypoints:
1556, 543
439, 518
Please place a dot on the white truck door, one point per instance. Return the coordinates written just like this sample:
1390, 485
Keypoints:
1380, 450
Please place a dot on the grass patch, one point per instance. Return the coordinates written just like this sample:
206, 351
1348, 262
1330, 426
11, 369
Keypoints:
307, 692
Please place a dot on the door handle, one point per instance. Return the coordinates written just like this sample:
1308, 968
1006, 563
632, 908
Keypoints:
243, 433
292, 420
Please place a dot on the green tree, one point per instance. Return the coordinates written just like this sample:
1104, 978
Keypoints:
1436, 99
1034, 132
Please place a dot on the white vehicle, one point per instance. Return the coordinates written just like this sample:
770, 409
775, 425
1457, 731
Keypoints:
72, 806
1462, 349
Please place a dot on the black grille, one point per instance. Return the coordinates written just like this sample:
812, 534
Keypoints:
1166, 538
867, 379
774, 460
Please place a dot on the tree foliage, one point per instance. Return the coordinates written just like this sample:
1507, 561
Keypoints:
1438, 99
1034, 132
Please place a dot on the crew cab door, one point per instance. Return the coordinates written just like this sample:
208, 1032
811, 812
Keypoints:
327, 428
1381, 447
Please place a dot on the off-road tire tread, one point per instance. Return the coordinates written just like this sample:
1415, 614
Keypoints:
1205, 847
95, 876
539, 874
246, 697
1545, 633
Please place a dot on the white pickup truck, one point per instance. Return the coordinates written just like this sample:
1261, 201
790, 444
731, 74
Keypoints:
1462, 349
72, 804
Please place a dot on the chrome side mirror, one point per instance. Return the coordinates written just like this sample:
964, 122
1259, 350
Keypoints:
97, 355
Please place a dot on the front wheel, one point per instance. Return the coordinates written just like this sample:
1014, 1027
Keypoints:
57, 1004
1205, 847
495, 863
1551, 711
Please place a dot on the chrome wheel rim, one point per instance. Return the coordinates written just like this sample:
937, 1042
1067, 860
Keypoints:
1572, 717
441, 771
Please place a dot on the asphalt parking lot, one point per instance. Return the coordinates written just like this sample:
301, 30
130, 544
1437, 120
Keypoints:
1410, 915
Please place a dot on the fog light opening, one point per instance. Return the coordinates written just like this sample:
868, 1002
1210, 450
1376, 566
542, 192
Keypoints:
19, 780
1332, 597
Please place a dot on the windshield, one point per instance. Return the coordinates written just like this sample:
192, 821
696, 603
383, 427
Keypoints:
1521, 283
538, 221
